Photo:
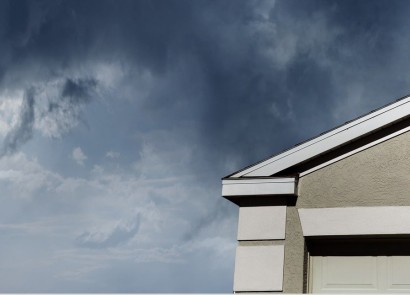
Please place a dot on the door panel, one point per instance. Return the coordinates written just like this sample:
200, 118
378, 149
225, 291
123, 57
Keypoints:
398, 279
359, 274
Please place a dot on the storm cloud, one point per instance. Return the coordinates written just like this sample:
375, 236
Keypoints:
115, 109
240, 70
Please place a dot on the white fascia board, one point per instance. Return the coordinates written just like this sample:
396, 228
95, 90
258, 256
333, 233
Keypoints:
257, 187
355, 221
329, 140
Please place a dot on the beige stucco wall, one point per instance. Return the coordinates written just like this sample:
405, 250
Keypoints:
294, 253
378, 176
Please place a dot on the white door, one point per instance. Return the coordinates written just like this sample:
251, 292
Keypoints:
359, 274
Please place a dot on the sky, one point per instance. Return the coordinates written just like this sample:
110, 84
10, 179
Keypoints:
118, 120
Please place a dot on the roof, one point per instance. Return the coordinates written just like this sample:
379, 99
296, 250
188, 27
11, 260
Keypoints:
332, 140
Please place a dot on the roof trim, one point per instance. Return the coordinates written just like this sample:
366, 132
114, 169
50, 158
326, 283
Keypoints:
262, 186
355, 151
325, 142
350, 221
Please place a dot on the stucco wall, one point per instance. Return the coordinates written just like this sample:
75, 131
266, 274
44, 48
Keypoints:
293, 273
378, 176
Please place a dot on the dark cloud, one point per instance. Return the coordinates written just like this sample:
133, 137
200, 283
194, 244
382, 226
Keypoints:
258, 68
74, 92
78, 90
234, 81
251, 78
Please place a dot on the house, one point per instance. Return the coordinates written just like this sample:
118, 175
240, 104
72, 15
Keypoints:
331, 214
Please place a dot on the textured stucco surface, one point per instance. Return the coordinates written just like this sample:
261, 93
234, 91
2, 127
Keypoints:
378, 176
294, 253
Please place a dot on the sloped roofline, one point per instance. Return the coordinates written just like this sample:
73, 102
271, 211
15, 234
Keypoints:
324, 142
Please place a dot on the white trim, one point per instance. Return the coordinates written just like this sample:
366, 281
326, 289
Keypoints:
330, 140
262, 223
355, 221
355, 151
264, 186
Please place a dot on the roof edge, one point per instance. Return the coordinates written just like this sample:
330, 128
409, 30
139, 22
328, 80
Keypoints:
326, 141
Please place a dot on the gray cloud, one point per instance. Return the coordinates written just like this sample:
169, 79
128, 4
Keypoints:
255, 68
230, 82
117, 236
78, 90
215, 215
23, 130
63, 109
73, 92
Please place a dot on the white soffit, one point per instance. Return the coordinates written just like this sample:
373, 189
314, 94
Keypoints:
262, 223
259, 268
260, 186
329, 140
355, 221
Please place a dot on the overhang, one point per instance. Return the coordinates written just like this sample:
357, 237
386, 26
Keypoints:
265, 191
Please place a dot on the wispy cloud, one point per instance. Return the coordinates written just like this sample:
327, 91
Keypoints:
78, 156
120, 234
54, 108
23, 130
112, 155
61, 104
